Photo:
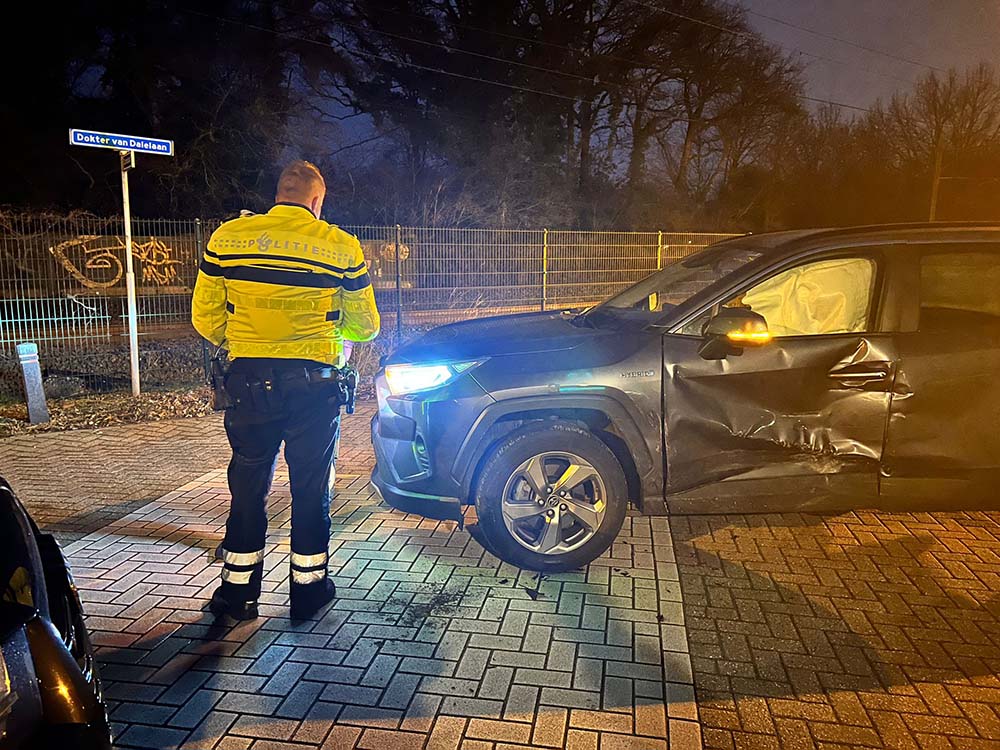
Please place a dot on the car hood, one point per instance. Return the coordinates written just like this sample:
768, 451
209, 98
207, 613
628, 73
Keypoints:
523, 333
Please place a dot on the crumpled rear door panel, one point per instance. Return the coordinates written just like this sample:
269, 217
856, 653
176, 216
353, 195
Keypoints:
803, 418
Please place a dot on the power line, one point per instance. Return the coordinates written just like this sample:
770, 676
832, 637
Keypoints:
450, 48
515, 37
786, 47
835, 38
817, 100
557, 72
441, 71
383, 58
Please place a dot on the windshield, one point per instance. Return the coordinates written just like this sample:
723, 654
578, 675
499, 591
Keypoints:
679, 281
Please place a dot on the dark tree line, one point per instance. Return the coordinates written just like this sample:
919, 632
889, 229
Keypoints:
586, 113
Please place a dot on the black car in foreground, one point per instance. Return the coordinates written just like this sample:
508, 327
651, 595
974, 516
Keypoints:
50, 692
798, 371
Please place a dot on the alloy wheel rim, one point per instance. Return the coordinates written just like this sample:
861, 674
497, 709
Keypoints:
554, 503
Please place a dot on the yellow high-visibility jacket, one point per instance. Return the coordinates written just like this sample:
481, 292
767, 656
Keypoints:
285, 285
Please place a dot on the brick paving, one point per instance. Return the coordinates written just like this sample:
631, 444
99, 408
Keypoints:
856, 630
432, 643
77, 481
776, 631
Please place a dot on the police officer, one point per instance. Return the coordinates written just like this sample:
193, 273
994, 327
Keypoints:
282, 291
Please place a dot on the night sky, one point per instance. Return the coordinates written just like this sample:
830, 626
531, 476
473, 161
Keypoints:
941, 33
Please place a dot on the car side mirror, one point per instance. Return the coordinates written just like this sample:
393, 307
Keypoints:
732, 329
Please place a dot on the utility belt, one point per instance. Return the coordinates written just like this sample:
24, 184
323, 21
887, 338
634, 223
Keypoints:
267, 392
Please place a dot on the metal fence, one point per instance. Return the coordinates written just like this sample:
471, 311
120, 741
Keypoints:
62, 285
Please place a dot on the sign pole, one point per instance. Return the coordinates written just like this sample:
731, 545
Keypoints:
128, 161
126, 146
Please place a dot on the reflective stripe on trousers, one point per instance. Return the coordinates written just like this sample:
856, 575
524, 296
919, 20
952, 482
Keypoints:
308, 569
242, 558
238, 568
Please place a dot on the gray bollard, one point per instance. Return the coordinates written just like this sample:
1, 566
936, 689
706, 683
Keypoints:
34, 392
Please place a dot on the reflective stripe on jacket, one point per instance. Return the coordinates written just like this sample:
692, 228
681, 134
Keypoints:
285, 285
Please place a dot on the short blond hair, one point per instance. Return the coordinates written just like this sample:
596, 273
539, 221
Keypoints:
300, 181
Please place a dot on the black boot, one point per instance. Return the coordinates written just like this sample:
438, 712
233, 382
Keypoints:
316, 596
220, 606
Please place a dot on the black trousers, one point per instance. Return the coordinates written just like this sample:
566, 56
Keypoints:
276, 405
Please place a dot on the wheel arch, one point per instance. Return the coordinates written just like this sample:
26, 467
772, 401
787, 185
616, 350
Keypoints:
605, 417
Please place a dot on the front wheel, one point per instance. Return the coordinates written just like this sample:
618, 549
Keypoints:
552, 497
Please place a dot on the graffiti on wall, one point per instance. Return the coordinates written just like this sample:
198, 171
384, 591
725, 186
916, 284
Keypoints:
96, 261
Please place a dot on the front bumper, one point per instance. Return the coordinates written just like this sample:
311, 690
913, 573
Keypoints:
416, 438
428, 506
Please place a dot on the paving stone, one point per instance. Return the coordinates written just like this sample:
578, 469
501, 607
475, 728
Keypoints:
600, 721
577, 739
205, 736
447, 733
521, 702
421, 713
127, 713
342, 738
196, 708
550, 727
471, 707
370, 717
380, 739
269, 728
498, 731
299, 701
623, 742
570, 698
262, 705
141, 736
400, 690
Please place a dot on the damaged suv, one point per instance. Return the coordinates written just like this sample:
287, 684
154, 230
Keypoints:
794, 371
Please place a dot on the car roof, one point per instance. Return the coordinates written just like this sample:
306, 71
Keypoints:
791, 241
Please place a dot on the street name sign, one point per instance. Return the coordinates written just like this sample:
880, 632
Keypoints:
120, 142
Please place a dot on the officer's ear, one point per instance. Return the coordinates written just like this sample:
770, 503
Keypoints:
317, 204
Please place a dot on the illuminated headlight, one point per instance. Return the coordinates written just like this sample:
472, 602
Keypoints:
412, 378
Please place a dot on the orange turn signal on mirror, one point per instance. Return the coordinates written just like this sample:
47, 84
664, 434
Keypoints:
749, 337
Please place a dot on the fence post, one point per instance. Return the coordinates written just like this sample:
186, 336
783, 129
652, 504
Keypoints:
659, 250
399, 288
199, 240
545, 267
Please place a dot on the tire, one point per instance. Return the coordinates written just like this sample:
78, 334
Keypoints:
66, 612
517, 527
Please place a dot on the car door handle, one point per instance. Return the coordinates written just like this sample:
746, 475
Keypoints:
855, 376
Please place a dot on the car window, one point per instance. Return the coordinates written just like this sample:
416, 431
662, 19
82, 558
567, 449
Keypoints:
646, 300
822, 297
959, 291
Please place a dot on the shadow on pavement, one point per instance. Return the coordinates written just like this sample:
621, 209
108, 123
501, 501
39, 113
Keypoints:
886, 607
75, 527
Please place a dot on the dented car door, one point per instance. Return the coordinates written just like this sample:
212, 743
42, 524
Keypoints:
798, 423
